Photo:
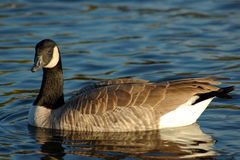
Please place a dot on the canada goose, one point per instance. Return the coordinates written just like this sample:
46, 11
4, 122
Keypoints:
117, 105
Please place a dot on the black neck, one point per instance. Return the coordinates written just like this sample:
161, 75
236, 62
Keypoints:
51, 92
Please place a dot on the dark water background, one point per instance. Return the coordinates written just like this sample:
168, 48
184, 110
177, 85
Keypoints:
153, 40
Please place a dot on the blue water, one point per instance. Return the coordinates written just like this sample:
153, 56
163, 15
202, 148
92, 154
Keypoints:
153, 40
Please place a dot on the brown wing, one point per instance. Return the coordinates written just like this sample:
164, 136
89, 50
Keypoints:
108, 95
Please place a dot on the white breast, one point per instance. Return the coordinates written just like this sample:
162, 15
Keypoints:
39, 116
185, 114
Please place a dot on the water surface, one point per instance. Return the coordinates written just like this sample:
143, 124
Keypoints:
153, 40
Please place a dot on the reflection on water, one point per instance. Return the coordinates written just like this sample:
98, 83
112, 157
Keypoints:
185, 142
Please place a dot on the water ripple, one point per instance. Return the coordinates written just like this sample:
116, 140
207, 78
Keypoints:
154, 40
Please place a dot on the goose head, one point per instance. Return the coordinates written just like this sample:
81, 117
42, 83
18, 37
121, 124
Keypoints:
46, 55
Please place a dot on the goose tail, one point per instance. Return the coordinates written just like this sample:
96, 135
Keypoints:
221, 93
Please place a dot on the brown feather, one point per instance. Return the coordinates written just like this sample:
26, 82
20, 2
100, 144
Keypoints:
126, 104
128, 93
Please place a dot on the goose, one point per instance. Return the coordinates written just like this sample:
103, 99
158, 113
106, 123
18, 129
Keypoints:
117, 105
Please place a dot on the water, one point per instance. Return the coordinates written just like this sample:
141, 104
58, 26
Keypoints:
153, 40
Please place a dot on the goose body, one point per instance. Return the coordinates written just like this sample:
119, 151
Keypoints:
117, 105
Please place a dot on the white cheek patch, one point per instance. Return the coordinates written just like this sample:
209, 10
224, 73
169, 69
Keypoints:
55, 58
